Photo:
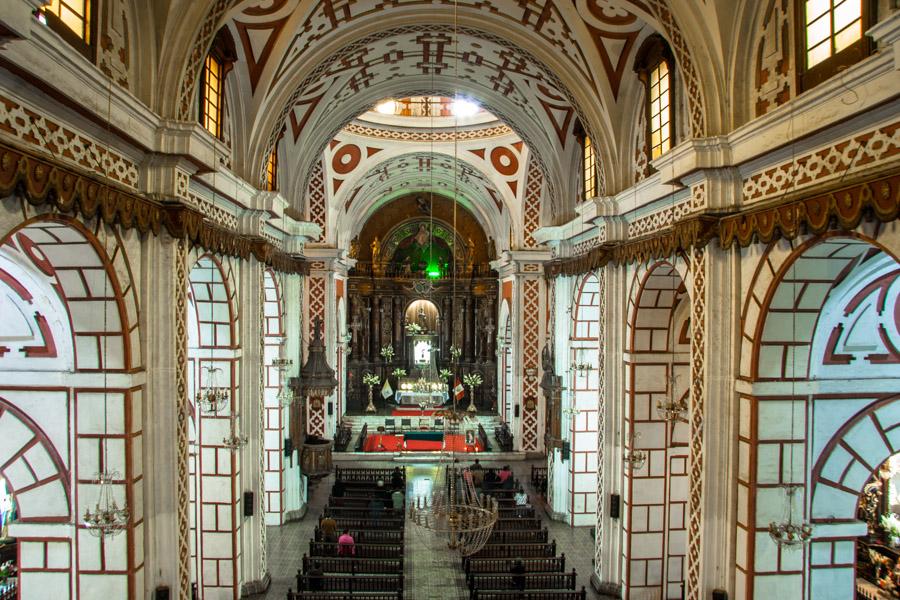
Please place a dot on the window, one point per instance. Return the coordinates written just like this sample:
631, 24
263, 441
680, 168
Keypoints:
589, 167
655, 66
211, 98
71, 19
272, 170
660, 113
832, 37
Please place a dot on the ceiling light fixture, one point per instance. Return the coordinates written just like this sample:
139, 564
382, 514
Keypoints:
386, 107
462, 107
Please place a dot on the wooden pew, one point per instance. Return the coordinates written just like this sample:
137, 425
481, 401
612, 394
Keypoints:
355, 512
518, 551
366, 523
517, 524
355, 584
528, 595
337, 564
371, 536
533, 581
518, 537
397, 595
350, 475
511, 512
362, 550
554, 564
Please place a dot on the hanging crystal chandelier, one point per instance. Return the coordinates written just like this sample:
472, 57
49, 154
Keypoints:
285, 395
787, 533
234, 441
212, 398
107, 519
635, 458
671, 410
456, 513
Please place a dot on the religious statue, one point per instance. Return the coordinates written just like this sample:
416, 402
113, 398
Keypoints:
551, 385
491, 250
376, 250
422, 236
470, 253
354, 248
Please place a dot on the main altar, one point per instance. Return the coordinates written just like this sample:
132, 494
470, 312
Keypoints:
423, 387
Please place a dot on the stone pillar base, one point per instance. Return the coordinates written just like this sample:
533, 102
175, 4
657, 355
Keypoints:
256, 587
606, 589
295, 515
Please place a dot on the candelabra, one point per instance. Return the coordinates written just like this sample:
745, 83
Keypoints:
212, 398
107, 519
234, 441
633, 457
671, 410
787, 533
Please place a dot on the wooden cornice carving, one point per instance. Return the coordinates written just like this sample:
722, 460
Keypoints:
43, 183
842, 208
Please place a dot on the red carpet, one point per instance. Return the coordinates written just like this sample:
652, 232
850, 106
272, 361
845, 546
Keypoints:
415, 412
394, 443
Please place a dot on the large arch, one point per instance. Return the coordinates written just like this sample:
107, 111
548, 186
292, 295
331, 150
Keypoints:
820, 312
657, 363
72, 398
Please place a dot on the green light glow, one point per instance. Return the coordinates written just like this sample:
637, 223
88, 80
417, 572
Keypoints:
433, 271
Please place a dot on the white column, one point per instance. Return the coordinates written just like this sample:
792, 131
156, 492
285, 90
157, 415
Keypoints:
163, 281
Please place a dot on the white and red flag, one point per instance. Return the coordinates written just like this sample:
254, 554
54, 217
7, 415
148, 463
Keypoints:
459, 391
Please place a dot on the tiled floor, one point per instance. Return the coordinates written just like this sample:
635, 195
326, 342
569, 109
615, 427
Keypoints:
430, 572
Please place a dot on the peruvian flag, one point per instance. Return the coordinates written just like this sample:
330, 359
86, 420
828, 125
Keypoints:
458, 391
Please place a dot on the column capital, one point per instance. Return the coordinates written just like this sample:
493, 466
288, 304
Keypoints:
521, 262
329, 260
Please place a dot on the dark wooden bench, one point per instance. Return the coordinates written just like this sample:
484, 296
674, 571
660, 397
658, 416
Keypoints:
371, 536
529, 595
362, 550
517, 524
513, 512
348, 523
354, 584
361, 442
365, 475
352, 512
518, 551
342, 438
554, 564
358, 502
398, 595
518, 537
336, 564
533, 581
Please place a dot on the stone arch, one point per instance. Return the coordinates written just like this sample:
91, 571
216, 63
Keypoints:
656, 498
37, 476
796, 403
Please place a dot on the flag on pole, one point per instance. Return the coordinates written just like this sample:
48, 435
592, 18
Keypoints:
387, 391
458, 391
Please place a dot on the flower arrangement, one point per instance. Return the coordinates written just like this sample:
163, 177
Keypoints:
455, 352
445, 373
387, 353
371, 379
413, 328
398, 373
473, 379
891, 525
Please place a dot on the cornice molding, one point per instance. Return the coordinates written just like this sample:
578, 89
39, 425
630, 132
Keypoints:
41, 182
841, 208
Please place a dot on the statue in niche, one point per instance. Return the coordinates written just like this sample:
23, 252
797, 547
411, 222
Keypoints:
376, 250
422, 236
470, 252
492, 250
551, 385
354, 248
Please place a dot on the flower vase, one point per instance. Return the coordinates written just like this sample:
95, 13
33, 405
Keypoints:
371, 407
471, 408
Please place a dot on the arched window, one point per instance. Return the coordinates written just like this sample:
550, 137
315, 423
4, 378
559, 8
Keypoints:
72, 20
272, 170
831, 38
218, 63
655, 67
589, 168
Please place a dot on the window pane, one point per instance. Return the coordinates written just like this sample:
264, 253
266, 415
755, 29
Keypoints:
72, 13
818, 31
848, 36
846, 12
816, 8
818, 54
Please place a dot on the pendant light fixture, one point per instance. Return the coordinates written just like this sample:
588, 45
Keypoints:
107, 518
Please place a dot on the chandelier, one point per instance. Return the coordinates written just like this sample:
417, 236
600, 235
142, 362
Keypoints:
455, 512
234, 441
285, 395
212, 398
787, 533
107, 519
671, 410
635, 458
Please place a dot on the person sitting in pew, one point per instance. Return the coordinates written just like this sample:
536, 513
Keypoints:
314, 578
376, 507
397, 501
346, 544
505, 476
397, 478
328, 526
521, 503
518, 575
491, 481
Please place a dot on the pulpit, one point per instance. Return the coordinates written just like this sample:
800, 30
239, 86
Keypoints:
315, 457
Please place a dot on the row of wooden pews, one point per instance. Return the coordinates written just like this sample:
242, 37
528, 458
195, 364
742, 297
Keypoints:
519, 535
375, 570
